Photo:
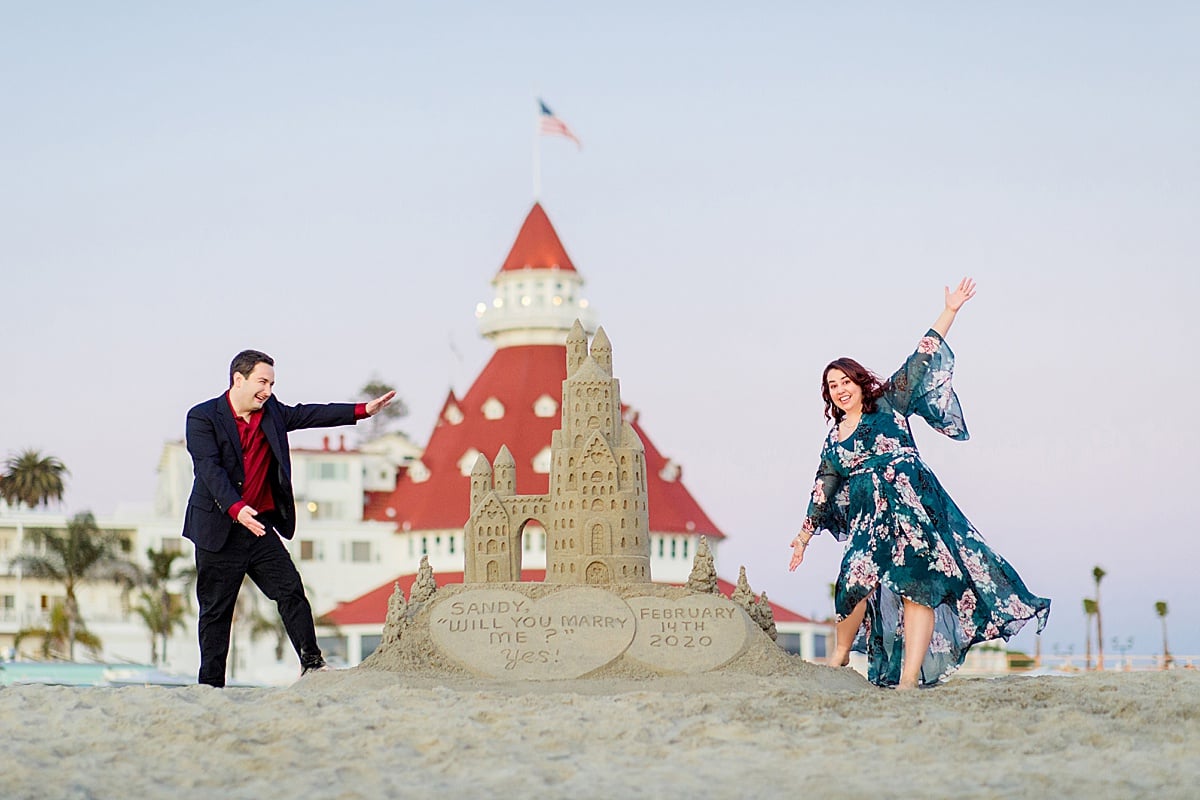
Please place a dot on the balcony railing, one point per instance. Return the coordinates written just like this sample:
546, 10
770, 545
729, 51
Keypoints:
1120, 662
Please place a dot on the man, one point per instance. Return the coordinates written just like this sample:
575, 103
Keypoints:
242, 503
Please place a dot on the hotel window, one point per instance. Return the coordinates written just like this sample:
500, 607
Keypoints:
325, 509
790, 642
333, 648
820, 642
328, 471
307, 550
367, 645
360, 552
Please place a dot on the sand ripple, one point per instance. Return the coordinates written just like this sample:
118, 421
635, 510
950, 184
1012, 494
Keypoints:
371, 734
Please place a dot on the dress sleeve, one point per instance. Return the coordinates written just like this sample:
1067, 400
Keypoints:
922, 386
829, 500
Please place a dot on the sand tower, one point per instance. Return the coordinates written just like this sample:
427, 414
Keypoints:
595, 512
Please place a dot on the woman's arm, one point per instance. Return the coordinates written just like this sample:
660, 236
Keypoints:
823, 508
954, 301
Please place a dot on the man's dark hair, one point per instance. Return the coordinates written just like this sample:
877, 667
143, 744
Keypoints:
244, 362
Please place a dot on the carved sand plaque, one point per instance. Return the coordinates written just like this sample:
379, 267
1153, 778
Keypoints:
502, 634
691, 634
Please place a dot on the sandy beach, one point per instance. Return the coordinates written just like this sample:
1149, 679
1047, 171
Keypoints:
818, 732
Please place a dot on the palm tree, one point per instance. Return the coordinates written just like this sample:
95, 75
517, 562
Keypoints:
80, 554
1098, 574
55, 636
162, 611
248, 615
1089, 610
1160, 608
32, 479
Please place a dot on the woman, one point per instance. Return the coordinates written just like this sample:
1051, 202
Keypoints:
917, 577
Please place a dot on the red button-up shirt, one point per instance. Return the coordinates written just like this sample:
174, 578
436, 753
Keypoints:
256, 463
256, 460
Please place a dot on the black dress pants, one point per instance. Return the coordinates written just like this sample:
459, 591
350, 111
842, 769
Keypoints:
219, 576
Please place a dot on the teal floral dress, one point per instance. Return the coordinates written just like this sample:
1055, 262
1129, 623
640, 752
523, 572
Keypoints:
907, 538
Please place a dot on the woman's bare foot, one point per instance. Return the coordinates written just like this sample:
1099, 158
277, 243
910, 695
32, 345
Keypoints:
906, 685
839, 661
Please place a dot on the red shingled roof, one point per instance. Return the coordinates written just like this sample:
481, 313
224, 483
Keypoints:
371, 608
516, 377
376, 504
537, 245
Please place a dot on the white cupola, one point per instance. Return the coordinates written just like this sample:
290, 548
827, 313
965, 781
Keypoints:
538, 293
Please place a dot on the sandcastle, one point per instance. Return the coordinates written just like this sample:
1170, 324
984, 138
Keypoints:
597, 612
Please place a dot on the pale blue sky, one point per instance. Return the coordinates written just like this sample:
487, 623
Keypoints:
761, 189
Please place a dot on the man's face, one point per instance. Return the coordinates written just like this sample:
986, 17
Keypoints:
250, 393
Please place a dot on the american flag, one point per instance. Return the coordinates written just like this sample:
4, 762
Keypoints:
551, 125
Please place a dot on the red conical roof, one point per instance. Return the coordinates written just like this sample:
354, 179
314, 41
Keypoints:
537, 245
511, 385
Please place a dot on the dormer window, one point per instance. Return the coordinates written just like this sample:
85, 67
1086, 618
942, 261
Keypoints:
418, 472
492, 409
542, 461
545, 407
467, 462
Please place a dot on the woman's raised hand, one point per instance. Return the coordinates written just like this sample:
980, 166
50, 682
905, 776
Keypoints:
964, 292
954, 301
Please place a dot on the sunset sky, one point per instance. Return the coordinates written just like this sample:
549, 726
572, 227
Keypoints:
762, 187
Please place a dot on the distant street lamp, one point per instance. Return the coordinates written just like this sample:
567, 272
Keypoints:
1123, 649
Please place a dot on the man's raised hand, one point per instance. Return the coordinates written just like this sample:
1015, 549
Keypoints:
379, 403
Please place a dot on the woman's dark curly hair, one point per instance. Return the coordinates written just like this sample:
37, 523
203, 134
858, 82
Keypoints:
872, 387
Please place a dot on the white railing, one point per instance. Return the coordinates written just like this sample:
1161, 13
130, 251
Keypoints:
40, 619
1120, 662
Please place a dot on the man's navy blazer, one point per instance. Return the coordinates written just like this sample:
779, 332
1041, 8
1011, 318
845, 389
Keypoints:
216, 448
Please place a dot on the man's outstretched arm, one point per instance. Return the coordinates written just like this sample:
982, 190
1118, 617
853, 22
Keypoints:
329, 415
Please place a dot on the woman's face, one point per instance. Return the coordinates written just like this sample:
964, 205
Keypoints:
845, 393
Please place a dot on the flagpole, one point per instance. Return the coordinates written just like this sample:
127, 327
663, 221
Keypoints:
537, 155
